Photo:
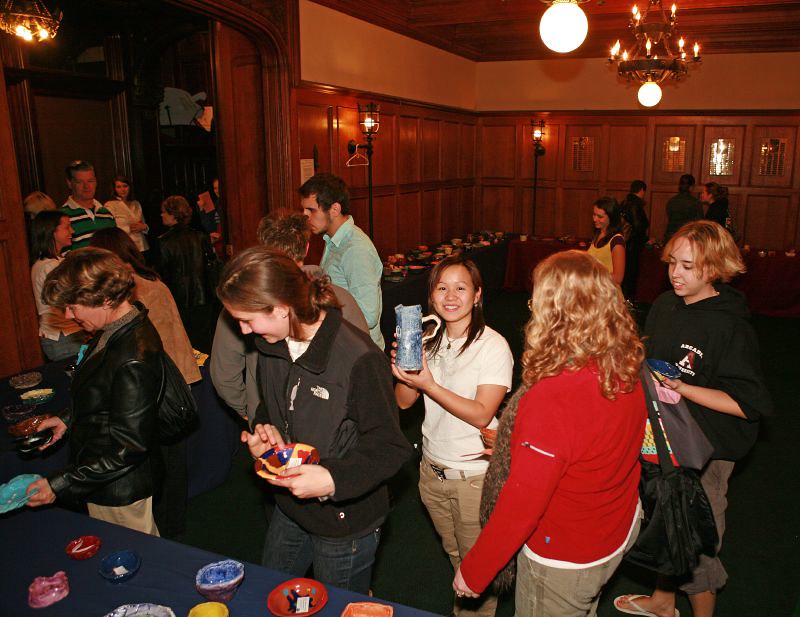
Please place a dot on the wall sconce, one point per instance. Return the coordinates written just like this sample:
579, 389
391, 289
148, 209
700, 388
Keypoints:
537, 134
369, 121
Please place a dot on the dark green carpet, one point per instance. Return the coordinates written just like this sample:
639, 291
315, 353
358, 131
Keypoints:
761, 545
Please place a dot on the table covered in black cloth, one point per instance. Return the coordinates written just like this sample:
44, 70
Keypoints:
491, 261
33, 544
210, 448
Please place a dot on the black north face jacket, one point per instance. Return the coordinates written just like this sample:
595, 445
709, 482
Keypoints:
337, 397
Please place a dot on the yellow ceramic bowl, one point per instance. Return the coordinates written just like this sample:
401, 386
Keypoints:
209, 609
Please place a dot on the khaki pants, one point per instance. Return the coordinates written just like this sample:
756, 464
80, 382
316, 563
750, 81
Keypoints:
137, 516
454, 507
543, 591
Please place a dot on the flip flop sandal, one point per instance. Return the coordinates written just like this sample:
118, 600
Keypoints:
636, 609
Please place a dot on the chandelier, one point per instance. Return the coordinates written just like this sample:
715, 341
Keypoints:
29, 19
654, 56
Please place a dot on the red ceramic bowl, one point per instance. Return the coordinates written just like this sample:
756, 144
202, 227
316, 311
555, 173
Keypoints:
305, 594
84, 547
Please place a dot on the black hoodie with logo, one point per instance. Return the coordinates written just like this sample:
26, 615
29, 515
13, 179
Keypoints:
713, 344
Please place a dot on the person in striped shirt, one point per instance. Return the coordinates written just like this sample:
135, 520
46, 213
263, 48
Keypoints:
86, 214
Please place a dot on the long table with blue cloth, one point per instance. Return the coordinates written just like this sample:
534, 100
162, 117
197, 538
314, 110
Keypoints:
34, 544
209, 448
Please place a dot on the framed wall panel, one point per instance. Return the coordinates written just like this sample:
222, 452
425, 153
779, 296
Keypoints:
469, 211
497, 205
627, 153
431, 149
408, 150
582, 153
450, 150
498, 151
576, 212
409, 220
314, 124
384, 150
385, 215
674, 152
722, 155
452, 218
773, 150
769, 221
347, 129
545, 211
467, 151
431, 217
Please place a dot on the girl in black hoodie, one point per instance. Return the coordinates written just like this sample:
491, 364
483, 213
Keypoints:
702, 327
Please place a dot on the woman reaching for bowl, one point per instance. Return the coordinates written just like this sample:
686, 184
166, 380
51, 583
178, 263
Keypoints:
322, 382
115, 461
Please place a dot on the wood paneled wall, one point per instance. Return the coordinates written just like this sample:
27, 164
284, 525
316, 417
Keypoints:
439, 173
626, 148
424, 165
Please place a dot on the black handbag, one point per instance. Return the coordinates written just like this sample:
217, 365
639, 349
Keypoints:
678, 523
177, 409
687, 441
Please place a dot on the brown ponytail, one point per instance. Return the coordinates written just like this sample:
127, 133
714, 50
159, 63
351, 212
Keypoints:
258, 279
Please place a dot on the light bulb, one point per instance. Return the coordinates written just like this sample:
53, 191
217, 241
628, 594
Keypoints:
368, 123
564, 26
649, 94
43, 34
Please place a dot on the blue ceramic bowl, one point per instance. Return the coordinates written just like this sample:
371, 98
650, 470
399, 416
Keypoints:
219, 581
666, 369
120, 566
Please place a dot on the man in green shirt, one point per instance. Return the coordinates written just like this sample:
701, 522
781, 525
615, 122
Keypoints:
350, 258
86, 214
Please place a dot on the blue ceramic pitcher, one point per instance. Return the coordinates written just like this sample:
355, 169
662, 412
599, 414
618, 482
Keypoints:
409, 336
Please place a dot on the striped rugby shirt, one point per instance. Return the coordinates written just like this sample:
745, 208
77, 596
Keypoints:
85, 222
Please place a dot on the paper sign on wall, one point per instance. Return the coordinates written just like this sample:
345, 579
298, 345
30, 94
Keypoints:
306, 169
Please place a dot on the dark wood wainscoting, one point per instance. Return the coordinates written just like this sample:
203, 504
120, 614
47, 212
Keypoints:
589, 155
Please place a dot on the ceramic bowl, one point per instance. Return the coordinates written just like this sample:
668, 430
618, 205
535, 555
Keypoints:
664, 369
120, 566
23, 381
31, 443
276, 460
38, 396
367, 609
47, 590
298, 596
219, 581
27, 427
141, 610
17, 413
209, 609
12, 493
84, 547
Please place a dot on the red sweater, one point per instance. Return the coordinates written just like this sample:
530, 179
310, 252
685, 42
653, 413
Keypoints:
573, 485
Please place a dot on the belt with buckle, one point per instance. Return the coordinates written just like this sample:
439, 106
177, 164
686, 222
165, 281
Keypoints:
444, 473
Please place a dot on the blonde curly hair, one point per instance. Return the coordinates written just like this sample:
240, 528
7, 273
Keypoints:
578, 317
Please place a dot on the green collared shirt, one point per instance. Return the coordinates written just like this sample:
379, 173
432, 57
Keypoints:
352, 262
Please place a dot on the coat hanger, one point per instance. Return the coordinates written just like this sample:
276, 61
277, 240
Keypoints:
357, 160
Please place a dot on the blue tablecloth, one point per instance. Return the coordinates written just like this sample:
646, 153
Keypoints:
210, 448
33, 544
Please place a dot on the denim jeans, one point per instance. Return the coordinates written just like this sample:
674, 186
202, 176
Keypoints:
342, 563
65, 347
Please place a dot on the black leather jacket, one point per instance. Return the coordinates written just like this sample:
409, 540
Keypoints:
182, 265
115, 458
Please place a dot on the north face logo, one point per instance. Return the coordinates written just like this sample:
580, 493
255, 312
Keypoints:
320, 392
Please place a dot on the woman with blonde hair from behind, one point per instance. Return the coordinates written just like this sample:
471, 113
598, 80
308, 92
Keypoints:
563, 481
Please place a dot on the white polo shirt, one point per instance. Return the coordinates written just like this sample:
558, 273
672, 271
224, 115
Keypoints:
487, 361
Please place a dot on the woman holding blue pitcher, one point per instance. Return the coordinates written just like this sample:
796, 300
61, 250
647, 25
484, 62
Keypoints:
466, 373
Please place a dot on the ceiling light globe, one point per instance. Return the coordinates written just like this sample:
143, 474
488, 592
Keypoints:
649, 94
564, 26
